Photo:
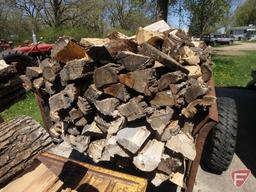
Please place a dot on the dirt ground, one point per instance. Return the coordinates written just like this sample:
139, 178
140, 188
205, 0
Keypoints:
238, 48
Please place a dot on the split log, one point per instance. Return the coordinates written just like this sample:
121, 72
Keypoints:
63, 99
105, 75
27, 84
21, 140
116, 45
38, 83
66, 50
164, 98
159, 119
184, 144
191, 109
194, 71
6, 70
132, 138
76, 69
92, 93
84, 106
95, 149
206, 72
150, 156
140, 80
153, 38
171, 130
159, 179
112, 149
80, 142
107, 106
33, 72
117, 90
134, 109
93, 130
170, 78
169, 62
51, 70
195, 89
75, 114
160, 26
189, 56
117, 35
90, 42
132, 61
170, 164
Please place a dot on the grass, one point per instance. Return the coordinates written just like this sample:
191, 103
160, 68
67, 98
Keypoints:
234, 70
27, 106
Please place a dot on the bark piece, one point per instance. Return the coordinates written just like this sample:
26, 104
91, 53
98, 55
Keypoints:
76, 69
150, 156
38, 83
172, 129
195, 89
156, 54
112, 149
107, 106
170, 78
117, 90
63, 99
95, 149
134, 109
206, 72
21, 139
51, 70
84, 105
159, 119
66, 50
105, 75
140, 80
153, 38
33, 72
164, 98
131, 61
191, 109
159, 179
132, 138
184, 144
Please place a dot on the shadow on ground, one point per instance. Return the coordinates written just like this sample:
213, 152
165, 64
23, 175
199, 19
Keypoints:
246, 107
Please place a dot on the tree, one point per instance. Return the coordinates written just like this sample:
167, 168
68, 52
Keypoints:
206, 14
246, 13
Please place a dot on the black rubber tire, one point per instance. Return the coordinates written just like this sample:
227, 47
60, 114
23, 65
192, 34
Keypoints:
221, 141
22, 60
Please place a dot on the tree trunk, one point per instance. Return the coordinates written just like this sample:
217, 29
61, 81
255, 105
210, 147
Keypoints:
21, 139
162, 9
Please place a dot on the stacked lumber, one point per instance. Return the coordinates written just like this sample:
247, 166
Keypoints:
11, 87
135, 98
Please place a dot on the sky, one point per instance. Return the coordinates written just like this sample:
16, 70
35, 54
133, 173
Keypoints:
173, 19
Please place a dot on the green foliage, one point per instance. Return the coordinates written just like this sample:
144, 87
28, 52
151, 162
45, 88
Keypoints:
246, 13
234, 70
205, 15
51, 34
27, 106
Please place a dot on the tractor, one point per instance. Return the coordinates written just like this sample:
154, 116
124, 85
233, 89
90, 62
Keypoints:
25, 55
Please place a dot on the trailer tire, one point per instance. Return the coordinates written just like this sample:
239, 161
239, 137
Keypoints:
23, 60
221, 140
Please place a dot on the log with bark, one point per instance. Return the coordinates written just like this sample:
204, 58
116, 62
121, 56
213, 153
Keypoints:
21, 140
134, 98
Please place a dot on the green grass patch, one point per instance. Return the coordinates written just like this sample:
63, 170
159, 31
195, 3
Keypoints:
27, 106
234, 70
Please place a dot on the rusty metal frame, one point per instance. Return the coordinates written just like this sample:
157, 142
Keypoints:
200, 132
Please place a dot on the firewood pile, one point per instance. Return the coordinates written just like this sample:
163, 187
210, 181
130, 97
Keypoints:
132, 97
11, 87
